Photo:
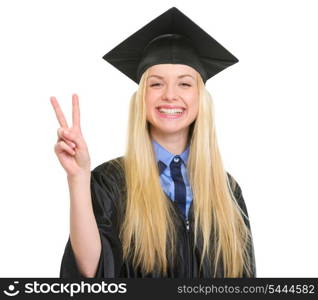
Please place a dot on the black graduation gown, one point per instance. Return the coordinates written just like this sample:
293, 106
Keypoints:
108, 196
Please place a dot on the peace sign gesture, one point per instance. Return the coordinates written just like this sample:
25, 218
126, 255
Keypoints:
71, 148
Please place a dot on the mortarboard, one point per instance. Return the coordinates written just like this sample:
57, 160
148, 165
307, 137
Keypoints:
170, 38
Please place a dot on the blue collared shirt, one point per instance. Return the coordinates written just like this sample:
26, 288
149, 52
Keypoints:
165, 177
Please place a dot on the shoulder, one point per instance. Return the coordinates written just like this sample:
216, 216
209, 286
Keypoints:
107, 191
108, 179
237, 192
108, 188
112, 169
233, 184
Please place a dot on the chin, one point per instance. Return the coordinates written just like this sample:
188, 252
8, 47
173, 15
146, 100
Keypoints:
170, 129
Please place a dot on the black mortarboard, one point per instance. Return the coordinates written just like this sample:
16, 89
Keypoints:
170, 38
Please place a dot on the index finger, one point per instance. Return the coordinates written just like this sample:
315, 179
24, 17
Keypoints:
58, 112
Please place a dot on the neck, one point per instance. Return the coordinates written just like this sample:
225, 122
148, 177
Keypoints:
175, 142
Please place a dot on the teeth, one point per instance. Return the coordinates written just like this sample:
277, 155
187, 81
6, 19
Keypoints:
171, 111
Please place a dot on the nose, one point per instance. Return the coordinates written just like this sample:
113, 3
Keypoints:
170, 93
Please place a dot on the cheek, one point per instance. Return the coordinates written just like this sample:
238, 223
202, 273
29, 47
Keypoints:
151, 98
194, 112
150, 105
193, 106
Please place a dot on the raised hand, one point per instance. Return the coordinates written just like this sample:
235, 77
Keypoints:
71, 148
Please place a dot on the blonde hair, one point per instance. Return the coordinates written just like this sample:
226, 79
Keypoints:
148, 232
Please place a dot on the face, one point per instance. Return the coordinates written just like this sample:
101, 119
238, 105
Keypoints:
171, 97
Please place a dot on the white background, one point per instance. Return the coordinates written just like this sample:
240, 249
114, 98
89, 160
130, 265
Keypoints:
266, 116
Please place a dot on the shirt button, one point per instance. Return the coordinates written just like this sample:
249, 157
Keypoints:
176, 159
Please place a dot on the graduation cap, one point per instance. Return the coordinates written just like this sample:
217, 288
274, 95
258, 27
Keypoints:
171, 38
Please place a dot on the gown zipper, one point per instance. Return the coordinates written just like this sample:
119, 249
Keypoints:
186, 223
188, 226
189, 251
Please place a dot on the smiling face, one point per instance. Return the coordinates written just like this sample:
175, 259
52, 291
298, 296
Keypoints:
171, 98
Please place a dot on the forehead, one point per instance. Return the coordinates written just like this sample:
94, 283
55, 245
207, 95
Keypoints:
164, 70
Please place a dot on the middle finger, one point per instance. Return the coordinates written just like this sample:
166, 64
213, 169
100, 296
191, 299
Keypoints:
76, 111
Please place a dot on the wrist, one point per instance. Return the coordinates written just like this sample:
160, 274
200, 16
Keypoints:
79, 177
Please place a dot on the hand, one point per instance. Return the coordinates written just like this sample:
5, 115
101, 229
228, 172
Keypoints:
71, 148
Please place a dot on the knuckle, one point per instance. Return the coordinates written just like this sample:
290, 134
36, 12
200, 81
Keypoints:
57, 148
59, 133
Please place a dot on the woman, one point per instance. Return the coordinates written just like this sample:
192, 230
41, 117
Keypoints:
167, 208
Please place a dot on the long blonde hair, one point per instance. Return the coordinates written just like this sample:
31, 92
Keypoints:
148, 230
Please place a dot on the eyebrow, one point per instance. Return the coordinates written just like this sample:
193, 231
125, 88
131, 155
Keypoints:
180, 76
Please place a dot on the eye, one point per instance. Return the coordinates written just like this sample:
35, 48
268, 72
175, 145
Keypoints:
155, 84
185, 84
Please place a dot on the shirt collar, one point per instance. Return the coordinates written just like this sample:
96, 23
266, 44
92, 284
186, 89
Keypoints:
166, 157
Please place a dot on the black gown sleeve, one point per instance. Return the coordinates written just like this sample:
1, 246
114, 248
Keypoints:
105, 197
240, 200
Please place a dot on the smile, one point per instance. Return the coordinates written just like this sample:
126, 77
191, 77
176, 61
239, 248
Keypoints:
170, 113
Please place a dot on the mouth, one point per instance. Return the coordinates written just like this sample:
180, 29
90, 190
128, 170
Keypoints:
170, 112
